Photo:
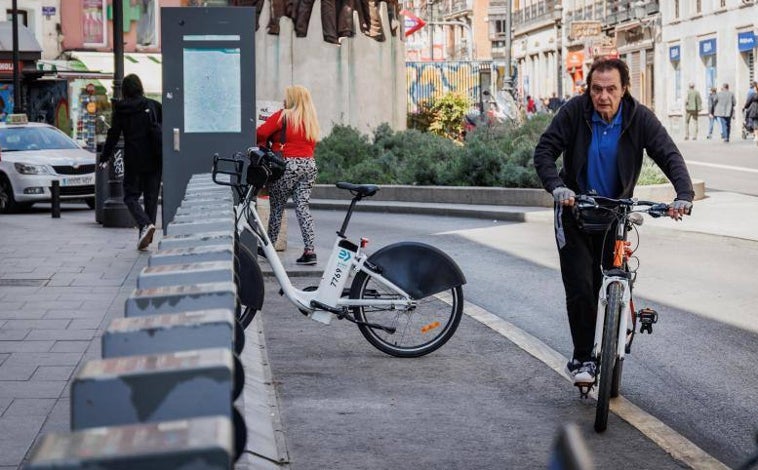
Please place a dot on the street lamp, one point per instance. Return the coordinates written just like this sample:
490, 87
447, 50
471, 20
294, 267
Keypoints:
507, 84
430, 11
559, 46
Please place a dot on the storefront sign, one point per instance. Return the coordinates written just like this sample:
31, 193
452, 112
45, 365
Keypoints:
6, 67
708, 47
93, 22
746, 41
585, 29
674, 53
47, 12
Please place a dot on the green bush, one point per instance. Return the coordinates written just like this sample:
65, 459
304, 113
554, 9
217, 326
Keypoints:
499, 155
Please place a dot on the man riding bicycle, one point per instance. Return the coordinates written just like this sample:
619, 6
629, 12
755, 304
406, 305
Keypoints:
601, 135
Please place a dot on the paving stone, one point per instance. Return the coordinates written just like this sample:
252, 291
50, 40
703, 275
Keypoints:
28, 389
14, 372
79, 313
4, 404
25, 346
53, 373
59, 418
28, 324
43, 359
12, 304
106, 297
30, 407
25, 314
97, 282
16, 437
85, 323
3, 357
54, 304
61, 335
70, 346
13, 335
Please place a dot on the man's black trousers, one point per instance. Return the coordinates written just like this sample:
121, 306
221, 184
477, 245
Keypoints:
146, 184
580, 257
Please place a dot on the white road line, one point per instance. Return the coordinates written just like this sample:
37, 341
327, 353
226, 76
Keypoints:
741, 169
666, 438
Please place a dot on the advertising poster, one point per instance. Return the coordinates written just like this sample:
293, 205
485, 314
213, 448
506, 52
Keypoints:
6, 100
93, 22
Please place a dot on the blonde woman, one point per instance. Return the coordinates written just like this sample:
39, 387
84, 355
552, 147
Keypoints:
301, 131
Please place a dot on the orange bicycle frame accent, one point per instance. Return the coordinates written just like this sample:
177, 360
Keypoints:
620, 252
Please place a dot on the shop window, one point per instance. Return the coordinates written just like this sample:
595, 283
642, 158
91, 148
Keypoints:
21, 15
710, 72
147, 34
676, 9
677, 80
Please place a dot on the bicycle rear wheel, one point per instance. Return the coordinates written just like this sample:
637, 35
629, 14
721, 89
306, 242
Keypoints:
419, 330
608, 355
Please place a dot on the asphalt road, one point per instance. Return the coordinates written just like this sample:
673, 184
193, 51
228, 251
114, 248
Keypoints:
723, 166
696, 373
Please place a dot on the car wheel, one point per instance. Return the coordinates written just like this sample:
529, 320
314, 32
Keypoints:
90, 202
7, 203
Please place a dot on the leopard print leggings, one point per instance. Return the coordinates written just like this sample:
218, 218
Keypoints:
297, 182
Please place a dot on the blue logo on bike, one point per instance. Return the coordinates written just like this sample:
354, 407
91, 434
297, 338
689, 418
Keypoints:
344, 255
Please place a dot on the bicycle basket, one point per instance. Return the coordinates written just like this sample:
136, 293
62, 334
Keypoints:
265, 167
593, 220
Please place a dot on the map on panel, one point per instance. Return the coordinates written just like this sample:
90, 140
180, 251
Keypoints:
212, 90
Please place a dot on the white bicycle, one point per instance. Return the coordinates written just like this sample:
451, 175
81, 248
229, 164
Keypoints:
406, 298
617, 317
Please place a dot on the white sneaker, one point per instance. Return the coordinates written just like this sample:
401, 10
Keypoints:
582, 372
146, 236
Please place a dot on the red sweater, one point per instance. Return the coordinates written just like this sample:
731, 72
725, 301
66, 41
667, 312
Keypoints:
295, 144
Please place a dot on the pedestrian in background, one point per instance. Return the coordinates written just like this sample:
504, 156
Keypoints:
301, 131
602, 136
711, 107
136, 117
724, 111
751, 111
692, 110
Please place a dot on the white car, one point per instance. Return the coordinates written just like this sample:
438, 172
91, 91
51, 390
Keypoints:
32, 155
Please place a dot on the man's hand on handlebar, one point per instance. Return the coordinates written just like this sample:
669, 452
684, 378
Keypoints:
678, 208
564, 196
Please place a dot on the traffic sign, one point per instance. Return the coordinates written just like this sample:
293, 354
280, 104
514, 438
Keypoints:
412, 22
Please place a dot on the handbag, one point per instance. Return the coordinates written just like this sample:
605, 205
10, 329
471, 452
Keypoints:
279, 165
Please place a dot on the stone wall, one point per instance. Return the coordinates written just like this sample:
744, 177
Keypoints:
359, 83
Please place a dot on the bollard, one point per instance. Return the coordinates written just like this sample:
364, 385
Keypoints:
175, 299
197, 254
171, 332
204, 443
155, 387
195, 240
166, 275
115, 212
55, 192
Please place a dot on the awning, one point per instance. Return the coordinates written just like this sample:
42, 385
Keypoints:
28, 47
148, 67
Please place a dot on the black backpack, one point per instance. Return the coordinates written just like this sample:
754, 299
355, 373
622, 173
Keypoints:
154, 132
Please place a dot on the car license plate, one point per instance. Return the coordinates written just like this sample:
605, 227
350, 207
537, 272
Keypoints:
78, 180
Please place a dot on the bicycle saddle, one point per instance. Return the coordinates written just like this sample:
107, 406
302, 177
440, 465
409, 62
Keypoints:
363, 190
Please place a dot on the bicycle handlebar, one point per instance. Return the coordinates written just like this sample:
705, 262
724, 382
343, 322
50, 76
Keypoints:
655, 209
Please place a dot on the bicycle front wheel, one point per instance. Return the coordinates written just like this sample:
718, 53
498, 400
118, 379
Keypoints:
608, 355
419, 330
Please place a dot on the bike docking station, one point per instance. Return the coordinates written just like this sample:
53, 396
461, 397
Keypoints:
167, 390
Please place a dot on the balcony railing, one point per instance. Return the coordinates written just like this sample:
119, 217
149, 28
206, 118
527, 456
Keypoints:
619, 11
535, 13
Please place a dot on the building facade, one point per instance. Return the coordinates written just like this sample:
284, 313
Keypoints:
708, 43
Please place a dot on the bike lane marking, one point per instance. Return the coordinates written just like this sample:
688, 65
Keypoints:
676, 445
741, 169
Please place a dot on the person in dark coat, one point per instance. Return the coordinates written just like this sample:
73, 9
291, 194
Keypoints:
135, 117
602, 135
